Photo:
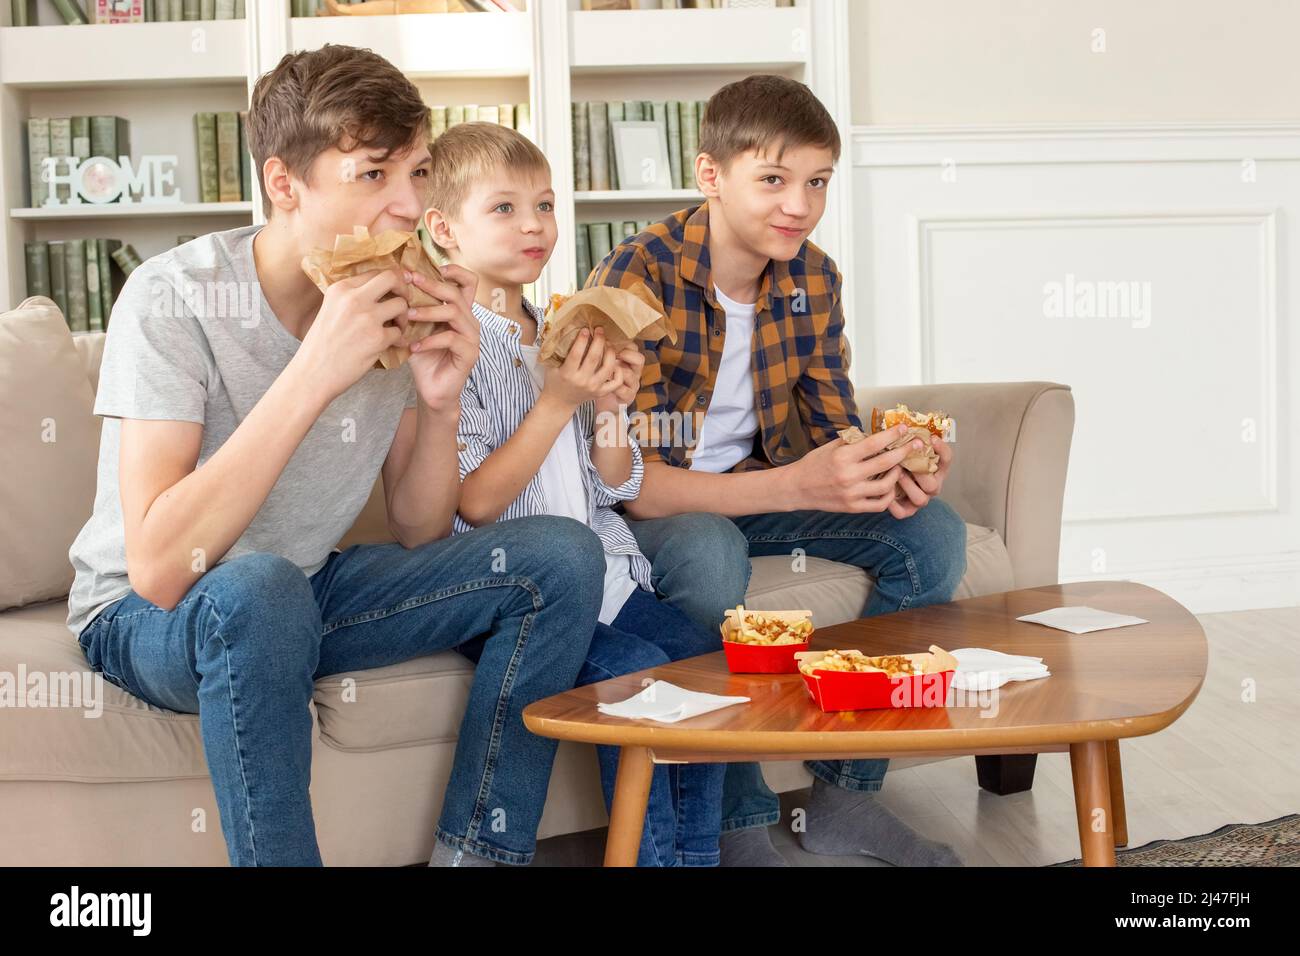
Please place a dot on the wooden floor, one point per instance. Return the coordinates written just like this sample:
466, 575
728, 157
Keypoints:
1229, 759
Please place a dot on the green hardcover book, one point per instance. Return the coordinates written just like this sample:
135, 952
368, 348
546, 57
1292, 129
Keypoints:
24, 13
177, 10
524, 119
632, 110
581, 151
103, 137
690, 136
629, 228
239, 10
582, 254
126, 257
38, 150
109, 286
245, 160
489, 114
437, 120
81, 137
74, 270
149, 15
207, 9
61, 146
37, 255
506, 113
59, 276
455, 114
205, 127
94, 304
224, 10
228, 157
601, 240
615, 114
71, 11
191, 10
597, 135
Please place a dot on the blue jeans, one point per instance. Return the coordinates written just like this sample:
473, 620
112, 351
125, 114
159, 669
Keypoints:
684, 812
698, 560
244, 646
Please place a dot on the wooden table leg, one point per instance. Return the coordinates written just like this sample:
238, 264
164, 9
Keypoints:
627, 815
1116, 774
1092, 802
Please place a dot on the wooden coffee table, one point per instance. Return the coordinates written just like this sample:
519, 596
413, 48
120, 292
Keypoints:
1106, 685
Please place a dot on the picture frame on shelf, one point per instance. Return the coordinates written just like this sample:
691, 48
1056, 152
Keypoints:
641, 152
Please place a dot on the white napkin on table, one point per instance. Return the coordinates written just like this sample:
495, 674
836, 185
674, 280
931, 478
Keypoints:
1081, 620
668, 703
979, 668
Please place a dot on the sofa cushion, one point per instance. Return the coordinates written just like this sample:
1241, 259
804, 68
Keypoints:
837, 592
51, 440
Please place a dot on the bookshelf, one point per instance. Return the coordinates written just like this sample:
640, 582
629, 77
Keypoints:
158, 75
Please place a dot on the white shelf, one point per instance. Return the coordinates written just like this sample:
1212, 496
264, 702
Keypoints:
595, 196
688, 40
134, 210
124, 54
430, 44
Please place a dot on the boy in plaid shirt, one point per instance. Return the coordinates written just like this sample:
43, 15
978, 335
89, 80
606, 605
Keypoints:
759, 322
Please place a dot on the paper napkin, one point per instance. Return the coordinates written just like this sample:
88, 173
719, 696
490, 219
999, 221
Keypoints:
668, 703
1081, 620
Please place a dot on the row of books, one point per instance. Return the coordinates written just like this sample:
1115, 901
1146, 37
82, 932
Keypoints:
225, 167
79, 136
679, 4
83, 276
595, 240
518, 116
594, 165
317, 8
74, 12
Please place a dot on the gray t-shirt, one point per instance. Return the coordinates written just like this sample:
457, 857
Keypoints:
193, 339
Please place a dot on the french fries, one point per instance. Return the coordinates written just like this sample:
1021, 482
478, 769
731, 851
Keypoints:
767, 627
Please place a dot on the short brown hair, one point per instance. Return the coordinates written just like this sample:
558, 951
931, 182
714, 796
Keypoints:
336, 96
763, 110
467, 152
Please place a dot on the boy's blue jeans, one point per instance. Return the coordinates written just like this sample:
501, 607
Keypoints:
701, 565
242, 650
684, 811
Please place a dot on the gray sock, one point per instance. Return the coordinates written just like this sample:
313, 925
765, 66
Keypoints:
847, 822
444, 855
751, 846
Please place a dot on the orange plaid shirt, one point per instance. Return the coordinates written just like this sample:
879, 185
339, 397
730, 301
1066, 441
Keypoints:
797, 364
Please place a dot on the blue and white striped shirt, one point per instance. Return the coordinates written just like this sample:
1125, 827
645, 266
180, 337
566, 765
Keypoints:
497, 395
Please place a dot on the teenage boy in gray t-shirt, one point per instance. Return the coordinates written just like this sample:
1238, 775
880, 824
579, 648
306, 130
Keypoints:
244, 426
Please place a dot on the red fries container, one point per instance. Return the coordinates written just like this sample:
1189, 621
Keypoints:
876, 690
761, 658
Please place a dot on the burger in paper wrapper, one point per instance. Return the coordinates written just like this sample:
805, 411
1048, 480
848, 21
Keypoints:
920, 425
360, 252
627, 316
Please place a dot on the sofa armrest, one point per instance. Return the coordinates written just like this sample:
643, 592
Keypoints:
1011, 450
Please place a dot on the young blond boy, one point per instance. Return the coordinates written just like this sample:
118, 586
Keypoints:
527, 445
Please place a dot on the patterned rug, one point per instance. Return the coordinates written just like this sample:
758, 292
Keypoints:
1275, 843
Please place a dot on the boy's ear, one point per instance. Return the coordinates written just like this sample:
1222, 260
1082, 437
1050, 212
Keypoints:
439, 229
279, 184
706, 175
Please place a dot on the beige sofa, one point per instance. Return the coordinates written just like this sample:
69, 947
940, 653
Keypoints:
130, 787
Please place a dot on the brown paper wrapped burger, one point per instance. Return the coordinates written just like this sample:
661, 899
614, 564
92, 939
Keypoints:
361, 252
920, 425
626, 315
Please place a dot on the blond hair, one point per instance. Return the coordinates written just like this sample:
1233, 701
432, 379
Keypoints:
467, 152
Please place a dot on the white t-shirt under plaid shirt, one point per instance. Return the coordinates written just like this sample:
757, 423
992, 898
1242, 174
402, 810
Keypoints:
500, 391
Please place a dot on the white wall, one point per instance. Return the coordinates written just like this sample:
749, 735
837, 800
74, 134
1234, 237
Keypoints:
972, 210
